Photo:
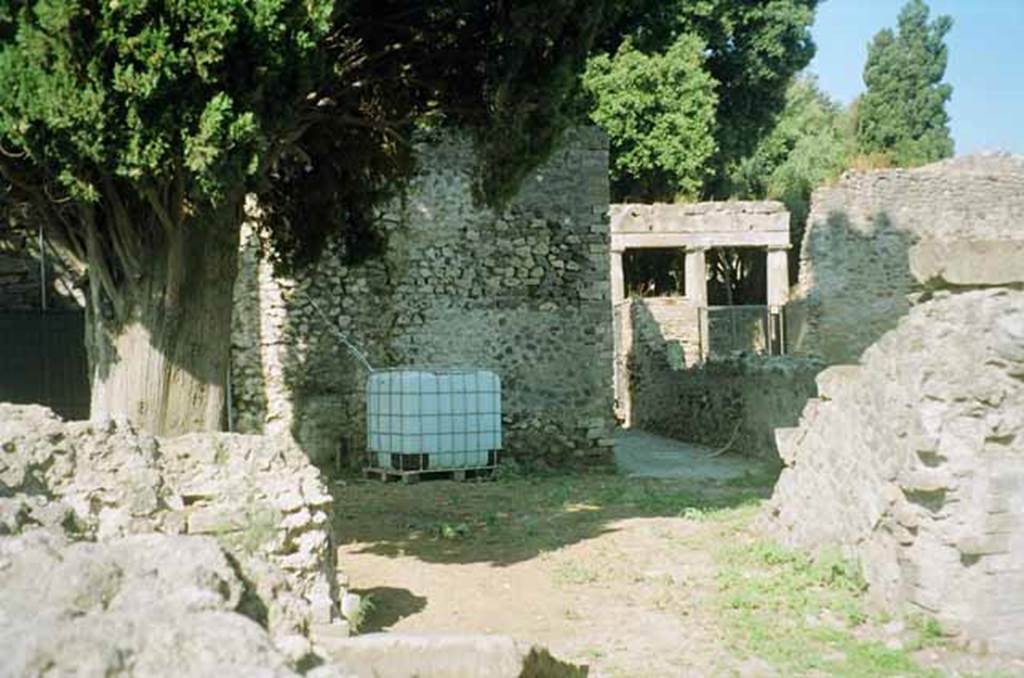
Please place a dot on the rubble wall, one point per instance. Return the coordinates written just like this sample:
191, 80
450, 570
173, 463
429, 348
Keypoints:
867, 233
522, 291
912, 459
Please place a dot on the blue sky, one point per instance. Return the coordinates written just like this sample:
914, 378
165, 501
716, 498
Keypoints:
986, 63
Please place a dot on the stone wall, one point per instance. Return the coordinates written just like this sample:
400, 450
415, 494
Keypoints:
651, 334
258, 497
523, 291
736, 402
664, 387
865, 233
912, 460
22, 277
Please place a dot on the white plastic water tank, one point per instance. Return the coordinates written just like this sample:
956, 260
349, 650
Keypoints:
433, 418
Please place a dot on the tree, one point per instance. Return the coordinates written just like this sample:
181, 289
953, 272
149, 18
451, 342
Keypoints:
134, 129
747, 52
812, 143
902, 113
659, 113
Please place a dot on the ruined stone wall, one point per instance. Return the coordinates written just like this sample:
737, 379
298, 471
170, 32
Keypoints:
866, 233
914, 462
523, 291
736, 402
737, 399
913, 459
258, 497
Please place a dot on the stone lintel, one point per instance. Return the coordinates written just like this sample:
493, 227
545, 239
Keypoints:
702, 240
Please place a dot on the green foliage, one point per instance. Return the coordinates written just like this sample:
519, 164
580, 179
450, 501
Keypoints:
811, 144
133, 90
797, 612
167, 109
659, 112
745, 52
903, 111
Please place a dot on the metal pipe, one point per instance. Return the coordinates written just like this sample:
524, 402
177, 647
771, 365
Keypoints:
229, 396
341, 336
42, 267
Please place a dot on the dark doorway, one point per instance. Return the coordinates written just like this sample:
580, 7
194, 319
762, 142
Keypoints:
654, 272
42, 361
737, 276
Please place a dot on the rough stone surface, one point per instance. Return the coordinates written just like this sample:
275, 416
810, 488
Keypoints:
394, 655
736, 402
143, 605
523, 291
259, 497
875, 239
913, 461
718, 217
21, 278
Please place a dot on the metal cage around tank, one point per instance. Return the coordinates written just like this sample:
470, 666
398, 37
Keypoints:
433, 419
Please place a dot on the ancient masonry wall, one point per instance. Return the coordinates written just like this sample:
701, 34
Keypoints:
523, 291
913, 460
736, 401
21, 278
865, 234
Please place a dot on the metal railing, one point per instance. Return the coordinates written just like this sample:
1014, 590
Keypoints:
727, 330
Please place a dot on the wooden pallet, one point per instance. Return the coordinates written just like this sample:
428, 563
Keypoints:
409, 477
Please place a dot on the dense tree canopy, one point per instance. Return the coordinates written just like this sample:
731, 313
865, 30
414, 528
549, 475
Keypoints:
133, 130
902, 114
659, 112
737, 57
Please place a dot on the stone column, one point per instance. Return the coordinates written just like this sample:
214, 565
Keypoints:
778, 295
618, 280
696, 276
778, 277
622, 339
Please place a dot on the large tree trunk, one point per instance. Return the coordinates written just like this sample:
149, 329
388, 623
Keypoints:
159, 352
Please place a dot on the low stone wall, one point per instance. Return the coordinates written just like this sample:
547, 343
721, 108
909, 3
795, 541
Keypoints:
913, 461
874, 240
523, 291
737, 402
258, 497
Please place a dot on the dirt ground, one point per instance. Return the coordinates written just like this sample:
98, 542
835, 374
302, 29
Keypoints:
633, 577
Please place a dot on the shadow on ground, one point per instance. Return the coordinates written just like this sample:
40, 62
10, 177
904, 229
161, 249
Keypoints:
518, 518
388, 605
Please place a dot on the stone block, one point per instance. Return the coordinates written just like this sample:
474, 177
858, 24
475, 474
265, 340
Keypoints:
968, 262
395, 655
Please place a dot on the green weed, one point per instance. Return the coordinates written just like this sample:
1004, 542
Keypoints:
796, 612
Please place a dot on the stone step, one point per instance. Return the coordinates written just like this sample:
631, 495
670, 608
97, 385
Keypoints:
398, 655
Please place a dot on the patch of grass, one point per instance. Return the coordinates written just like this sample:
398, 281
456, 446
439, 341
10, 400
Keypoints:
451, 531
357, 620
572, 572
796, 612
